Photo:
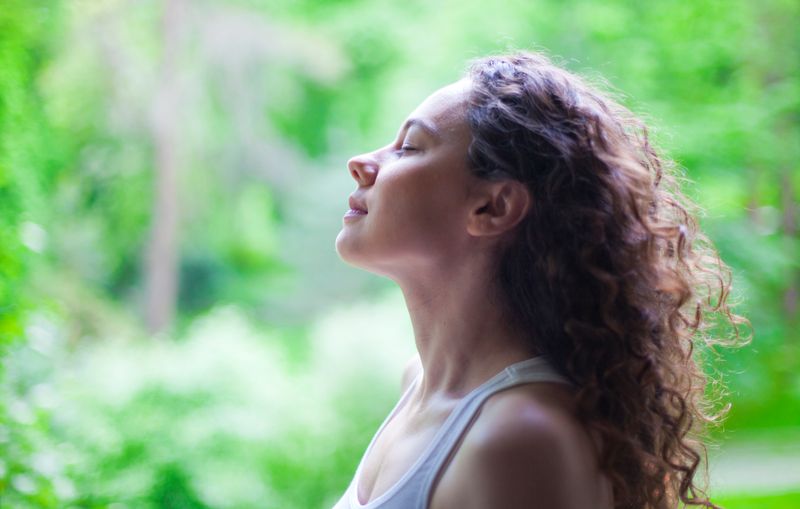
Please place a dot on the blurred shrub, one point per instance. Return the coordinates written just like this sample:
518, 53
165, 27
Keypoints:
25, 169
221, 417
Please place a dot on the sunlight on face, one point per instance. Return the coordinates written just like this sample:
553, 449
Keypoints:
413, 191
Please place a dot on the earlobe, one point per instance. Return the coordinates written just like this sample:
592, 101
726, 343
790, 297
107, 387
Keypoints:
499, 208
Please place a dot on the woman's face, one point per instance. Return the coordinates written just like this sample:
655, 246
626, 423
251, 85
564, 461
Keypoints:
414, 191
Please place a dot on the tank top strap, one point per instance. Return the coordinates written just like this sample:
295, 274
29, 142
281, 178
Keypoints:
535, 369
413, 489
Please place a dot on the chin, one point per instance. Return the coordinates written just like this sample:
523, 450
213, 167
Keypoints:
354, 254
345, 249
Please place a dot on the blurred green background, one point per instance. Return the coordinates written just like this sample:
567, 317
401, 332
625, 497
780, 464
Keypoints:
176, 330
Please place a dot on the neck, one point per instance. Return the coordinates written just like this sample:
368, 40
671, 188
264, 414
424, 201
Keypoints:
460, 333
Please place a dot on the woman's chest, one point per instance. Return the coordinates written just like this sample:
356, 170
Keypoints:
396, 450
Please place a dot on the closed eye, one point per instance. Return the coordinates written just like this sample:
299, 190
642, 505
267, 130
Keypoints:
404, 149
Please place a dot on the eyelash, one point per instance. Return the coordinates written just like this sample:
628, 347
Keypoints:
402, 150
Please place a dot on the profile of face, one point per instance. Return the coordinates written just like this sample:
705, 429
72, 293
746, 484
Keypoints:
413, 195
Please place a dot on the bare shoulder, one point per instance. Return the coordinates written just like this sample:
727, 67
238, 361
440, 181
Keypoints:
412, 369
525, 450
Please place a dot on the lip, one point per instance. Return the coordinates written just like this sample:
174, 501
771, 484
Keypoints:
353, 214
357, 205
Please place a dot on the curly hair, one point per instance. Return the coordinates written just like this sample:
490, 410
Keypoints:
608, 274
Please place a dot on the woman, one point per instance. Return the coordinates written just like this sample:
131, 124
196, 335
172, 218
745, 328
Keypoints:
556, 284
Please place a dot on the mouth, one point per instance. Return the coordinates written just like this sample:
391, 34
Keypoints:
355, 212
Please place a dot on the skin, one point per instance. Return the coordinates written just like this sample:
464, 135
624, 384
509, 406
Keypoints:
435, 229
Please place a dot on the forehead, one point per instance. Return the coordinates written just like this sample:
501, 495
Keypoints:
446, 109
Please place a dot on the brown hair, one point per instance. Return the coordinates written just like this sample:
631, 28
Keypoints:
609, 273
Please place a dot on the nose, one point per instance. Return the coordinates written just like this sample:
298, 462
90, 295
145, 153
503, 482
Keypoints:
363, 168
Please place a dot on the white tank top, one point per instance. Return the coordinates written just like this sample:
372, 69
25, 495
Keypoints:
413, 489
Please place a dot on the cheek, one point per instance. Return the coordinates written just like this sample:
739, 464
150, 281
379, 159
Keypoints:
414, 187
407, 200
421, 215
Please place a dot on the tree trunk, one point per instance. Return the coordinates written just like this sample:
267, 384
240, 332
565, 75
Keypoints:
161, 261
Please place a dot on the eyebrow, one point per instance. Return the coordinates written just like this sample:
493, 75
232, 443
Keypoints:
426, 126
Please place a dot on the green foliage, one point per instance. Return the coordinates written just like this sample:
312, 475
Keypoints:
220, 418
24, 172
22, 151
770, 501
226, 413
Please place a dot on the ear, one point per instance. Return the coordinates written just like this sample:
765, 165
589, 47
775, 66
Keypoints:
499, 207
